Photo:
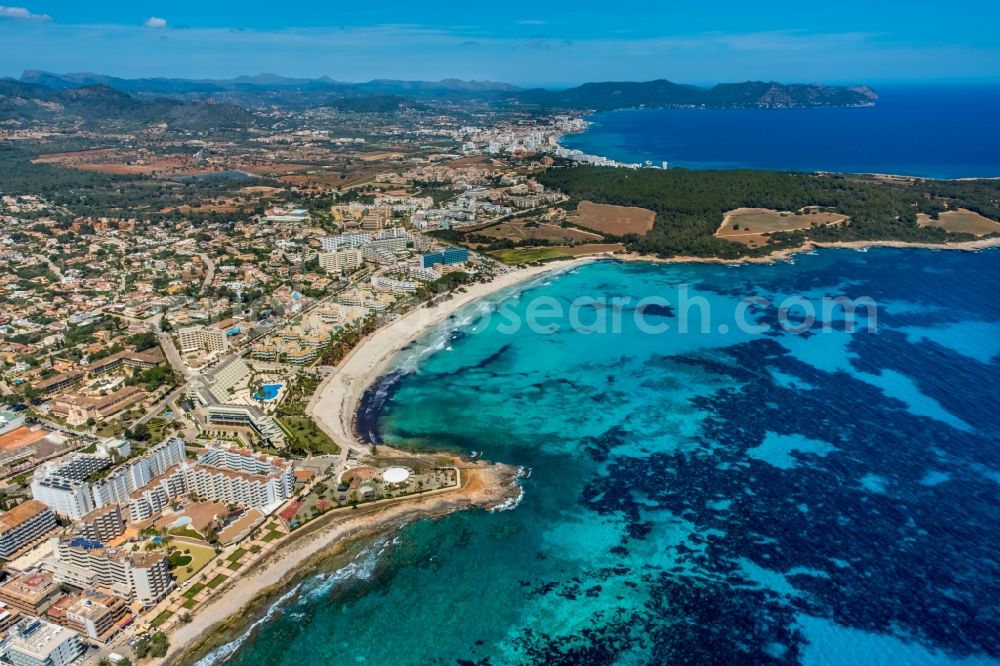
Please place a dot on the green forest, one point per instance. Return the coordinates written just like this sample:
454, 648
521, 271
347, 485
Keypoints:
690, 205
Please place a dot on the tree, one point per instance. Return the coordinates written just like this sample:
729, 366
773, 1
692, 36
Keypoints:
139, 433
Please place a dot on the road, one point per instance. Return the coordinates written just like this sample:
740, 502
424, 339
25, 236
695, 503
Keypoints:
210, 275
156, 409
173, 356
52, 266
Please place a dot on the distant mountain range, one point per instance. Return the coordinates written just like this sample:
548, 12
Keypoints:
224, 103
104, 104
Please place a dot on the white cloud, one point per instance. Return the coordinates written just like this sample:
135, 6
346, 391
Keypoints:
155, 22
22, 14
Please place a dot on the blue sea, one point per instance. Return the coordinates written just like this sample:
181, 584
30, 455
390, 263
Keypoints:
720, 496
934, 132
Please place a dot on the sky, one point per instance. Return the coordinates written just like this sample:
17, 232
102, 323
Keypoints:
543, 42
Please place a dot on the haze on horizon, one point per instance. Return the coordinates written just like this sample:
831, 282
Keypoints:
524, 43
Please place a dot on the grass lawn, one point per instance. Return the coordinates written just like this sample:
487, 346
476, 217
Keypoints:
255, 548
217, 581
527, 255
157, 428
200, 557
193, 591
271, 526
272, 535
187, 532
233, 566
178, 559
303, 434
189, 604
237, 554
161, 618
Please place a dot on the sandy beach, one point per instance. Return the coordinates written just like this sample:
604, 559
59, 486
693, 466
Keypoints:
335, 403
483, 485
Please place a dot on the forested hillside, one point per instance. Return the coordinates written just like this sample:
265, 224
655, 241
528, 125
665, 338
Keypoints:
690, 205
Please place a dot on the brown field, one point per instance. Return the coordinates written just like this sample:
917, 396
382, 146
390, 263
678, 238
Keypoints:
377, 157
517, 231
331, 178
110, 161
614, 220
471, 161
750, 225
961, 221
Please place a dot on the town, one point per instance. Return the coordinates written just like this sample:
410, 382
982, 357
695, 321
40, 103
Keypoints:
158, 368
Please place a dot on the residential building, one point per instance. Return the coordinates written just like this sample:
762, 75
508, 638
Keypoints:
224, 474
69, 488
340, 261
30, 593
25, 524
141, 576
351, 240
382, 283
92, 613
62, 484
102, 524
35, 642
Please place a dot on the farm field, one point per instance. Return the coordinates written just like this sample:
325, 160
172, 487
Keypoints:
519, 231
614, 220
961, 221
750, 225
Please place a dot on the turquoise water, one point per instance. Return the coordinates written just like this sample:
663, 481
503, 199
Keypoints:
699, 498
267, 392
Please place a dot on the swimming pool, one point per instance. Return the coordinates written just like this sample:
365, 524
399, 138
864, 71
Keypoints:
267, 392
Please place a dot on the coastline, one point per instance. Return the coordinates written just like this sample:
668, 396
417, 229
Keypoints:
484, 485
335, 403
788, 254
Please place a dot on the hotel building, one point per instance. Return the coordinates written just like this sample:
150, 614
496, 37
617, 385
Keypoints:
203, 338
90, 613
103, 524
64, 485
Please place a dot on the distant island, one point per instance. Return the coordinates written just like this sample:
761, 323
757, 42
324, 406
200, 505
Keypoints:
666, 94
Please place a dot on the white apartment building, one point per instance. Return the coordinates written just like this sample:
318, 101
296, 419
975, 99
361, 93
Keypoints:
63, 485
142, 576
222, 474
203, 338
352, 240
340, 261
382, 283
